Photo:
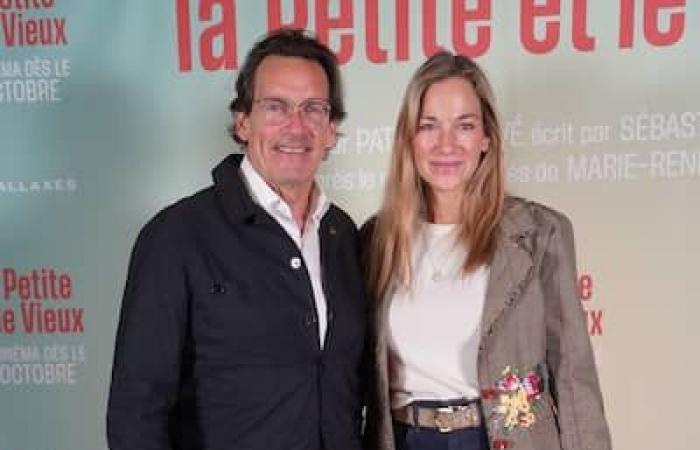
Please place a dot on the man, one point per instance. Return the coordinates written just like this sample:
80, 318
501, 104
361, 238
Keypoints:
243, 320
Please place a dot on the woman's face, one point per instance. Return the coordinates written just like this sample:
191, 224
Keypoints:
449, 137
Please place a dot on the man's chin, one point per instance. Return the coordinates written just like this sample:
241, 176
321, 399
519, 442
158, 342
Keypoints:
295, 179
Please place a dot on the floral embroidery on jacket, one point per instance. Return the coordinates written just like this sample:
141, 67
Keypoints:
517, 399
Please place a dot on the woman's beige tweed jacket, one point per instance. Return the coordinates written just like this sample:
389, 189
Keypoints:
532, 319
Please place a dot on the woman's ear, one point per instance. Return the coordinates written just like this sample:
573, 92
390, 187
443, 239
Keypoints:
485, 145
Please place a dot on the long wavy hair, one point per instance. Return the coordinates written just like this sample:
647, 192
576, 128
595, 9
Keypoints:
406, 200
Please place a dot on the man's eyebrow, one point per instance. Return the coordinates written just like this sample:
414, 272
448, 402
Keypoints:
317, 99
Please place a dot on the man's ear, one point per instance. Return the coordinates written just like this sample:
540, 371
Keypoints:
332, 137
241, 125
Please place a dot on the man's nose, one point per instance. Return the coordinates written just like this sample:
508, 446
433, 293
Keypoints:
295, 118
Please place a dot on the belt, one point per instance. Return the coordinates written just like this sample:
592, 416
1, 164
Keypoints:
442, 418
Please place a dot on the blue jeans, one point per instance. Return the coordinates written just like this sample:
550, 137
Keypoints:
408, 437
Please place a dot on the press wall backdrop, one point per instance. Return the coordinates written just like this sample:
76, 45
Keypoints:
110, 110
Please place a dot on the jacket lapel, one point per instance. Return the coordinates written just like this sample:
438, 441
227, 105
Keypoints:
328, 239
511, 266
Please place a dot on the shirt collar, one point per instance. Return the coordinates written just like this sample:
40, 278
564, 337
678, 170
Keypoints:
271, 202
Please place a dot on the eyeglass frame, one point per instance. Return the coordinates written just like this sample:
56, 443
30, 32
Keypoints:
291, 107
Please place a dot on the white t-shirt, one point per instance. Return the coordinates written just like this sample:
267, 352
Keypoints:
434, 327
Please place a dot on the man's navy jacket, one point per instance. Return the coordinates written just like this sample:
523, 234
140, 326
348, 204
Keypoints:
218, 347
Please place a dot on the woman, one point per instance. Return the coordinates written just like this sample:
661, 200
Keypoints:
478, 334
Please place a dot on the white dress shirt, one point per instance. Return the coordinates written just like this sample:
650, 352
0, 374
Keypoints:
309, 243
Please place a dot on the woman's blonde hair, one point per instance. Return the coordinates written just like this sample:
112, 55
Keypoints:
405, 196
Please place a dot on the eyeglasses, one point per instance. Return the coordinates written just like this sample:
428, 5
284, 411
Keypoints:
276, 111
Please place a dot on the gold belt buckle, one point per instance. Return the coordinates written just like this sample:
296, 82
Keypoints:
444, 419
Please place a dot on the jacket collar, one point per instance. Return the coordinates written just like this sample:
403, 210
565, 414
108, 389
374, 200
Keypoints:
273, 203
232, 192
512, 263
235, 199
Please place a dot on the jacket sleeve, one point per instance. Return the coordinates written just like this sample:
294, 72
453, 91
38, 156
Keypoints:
371, 427
573, 377
149, 343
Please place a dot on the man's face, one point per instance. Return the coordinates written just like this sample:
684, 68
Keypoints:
286, 143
